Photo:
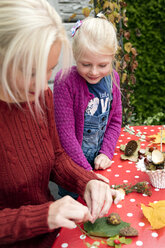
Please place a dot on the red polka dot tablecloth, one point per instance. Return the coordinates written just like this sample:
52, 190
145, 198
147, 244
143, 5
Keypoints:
129, 209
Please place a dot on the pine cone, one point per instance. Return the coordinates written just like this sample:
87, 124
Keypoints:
130, 147
128, 231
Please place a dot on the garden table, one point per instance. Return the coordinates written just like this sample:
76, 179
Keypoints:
129, 209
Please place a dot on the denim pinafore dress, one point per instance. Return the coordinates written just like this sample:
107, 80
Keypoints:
95, 125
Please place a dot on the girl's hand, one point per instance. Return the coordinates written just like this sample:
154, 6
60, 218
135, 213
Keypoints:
66, 212
99, 197
102, 162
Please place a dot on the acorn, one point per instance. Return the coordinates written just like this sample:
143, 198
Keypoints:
114, 219
128, 231
130, 147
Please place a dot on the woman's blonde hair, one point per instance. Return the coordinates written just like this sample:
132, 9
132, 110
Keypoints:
97, 35
28, 28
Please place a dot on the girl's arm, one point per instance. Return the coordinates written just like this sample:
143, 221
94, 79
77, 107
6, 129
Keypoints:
65, 122
114, 125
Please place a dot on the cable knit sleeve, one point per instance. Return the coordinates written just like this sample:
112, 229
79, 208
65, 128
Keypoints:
115, 120
66, 172
23, 223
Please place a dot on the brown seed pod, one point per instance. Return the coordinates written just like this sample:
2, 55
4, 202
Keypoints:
130, 147
114, 219
128, 231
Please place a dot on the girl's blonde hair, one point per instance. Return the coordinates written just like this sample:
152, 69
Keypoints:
28, 28
97, 35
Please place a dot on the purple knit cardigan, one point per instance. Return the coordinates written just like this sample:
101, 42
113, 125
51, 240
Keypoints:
71, 97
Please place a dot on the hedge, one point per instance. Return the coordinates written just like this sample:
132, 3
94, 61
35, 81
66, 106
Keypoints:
147, 28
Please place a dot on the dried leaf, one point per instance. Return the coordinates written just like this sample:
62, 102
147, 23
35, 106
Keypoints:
72, 17
86, 11
155, 213
157, 137
127, 47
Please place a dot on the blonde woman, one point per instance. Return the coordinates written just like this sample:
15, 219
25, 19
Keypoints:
31, 37
87, 101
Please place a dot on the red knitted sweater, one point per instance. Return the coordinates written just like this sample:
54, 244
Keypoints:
30, 156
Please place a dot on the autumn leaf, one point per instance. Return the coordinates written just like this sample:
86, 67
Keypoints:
86, 11
124, 76
134, 52
155, 213
127, 57
157, 137
72, 17
106, 5
127, 35
127, 47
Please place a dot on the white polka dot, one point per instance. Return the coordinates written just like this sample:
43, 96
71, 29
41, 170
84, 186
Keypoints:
155, 201
120, 166
120, 141
108, 170
64, 245
125, 181
119, 206
136, 176
141, 224
122, 135
130, 162
137, 130
142, 144
113, 161
154, 234
83, 236
145, 127
129, 214
115, 153
117, 175
145, 132
145, 195
127, 171
132, 200
128, 137
156, 189
117, 146
139, 243
152, 130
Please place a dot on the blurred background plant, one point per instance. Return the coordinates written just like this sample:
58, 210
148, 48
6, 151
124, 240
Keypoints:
141, 69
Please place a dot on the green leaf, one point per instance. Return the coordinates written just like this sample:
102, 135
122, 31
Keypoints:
97, 243
122, 240
128, 241
103, 229
110, 242
88, 245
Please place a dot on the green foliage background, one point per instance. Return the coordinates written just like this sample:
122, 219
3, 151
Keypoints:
146, 23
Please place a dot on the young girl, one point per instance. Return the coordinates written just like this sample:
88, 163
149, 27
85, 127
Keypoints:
31, 36
87, 101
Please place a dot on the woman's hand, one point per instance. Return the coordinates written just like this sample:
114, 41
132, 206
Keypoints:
66, 212
102, 162
99, 197
105, 179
